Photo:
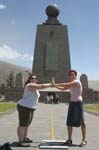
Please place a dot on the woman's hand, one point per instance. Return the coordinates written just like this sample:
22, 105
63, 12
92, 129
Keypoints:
53, 82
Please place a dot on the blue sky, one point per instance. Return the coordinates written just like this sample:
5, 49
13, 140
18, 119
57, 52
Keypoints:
19, 19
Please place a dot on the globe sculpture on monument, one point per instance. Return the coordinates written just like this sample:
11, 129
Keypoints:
51, 53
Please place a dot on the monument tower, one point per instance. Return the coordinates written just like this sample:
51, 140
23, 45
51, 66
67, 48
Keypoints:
51, 53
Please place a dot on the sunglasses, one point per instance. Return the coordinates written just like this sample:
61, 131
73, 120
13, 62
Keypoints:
34, 78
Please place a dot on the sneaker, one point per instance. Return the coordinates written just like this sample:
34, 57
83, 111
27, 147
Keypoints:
23, 144
28, 140
83, 143
68, 142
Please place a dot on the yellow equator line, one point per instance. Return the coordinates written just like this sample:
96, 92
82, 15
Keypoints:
52, 124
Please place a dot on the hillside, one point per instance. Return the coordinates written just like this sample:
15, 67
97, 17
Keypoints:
94, 84
6, 68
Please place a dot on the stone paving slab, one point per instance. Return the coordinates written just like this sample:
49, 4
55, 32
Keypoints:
40, 128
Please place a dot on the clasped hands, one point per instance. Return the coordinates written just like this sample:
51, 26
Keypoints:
53, 82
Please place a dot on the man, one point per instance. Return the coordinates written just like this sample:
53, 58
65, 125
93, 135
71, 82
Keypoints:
75, 117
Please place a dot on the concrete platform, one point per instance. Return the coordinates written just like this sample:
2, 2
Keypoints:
41, 128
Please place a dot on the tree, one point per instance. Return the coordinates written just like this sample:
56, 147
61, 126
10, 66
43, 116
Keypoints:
10, 80
2, 88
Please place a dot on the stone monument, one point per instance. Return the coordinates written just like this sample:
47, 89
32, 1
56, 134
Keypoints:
89, 95
14, 93
19, 80
84, 81
51, 53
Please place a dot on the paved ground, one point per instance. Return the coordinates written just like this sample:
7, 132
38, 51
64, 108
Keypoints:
40, 128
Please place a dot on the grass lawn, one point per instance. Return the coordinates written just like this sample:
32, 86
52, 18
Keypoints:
92, 107
4, 106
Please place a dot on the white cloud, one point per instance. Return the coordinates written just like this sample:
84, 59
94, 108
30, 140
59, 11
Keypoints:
25, 56
31, 58
2, 6
8, 54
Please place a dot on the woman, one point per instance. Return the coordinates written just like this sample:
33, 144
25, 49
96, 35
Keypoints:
26, 107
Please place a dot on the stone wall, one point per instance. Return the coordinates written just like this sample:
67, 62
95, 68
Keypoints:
90, 96
13, 94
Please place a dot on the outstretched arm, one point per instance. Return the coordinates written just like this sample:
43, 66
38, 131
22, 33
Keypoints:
60, 87
34, 86
63, 86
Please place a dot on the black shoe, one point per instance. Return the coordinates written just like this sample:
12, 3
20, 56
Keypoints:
83, 143
68, 142
28, 140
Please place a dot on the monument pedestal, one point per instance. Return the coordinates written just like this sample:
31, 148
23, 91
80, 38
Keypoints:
53, 144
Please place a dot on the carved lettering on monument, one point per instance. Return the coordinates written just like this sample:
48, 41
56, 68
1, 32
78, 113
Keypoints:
51, 56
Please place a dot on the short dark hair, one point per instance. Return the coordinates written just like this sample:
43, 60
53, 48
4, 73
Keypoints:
72, 71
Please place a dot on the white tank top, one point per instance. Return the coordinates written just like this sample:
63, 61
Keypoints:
29, 99
76, 92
